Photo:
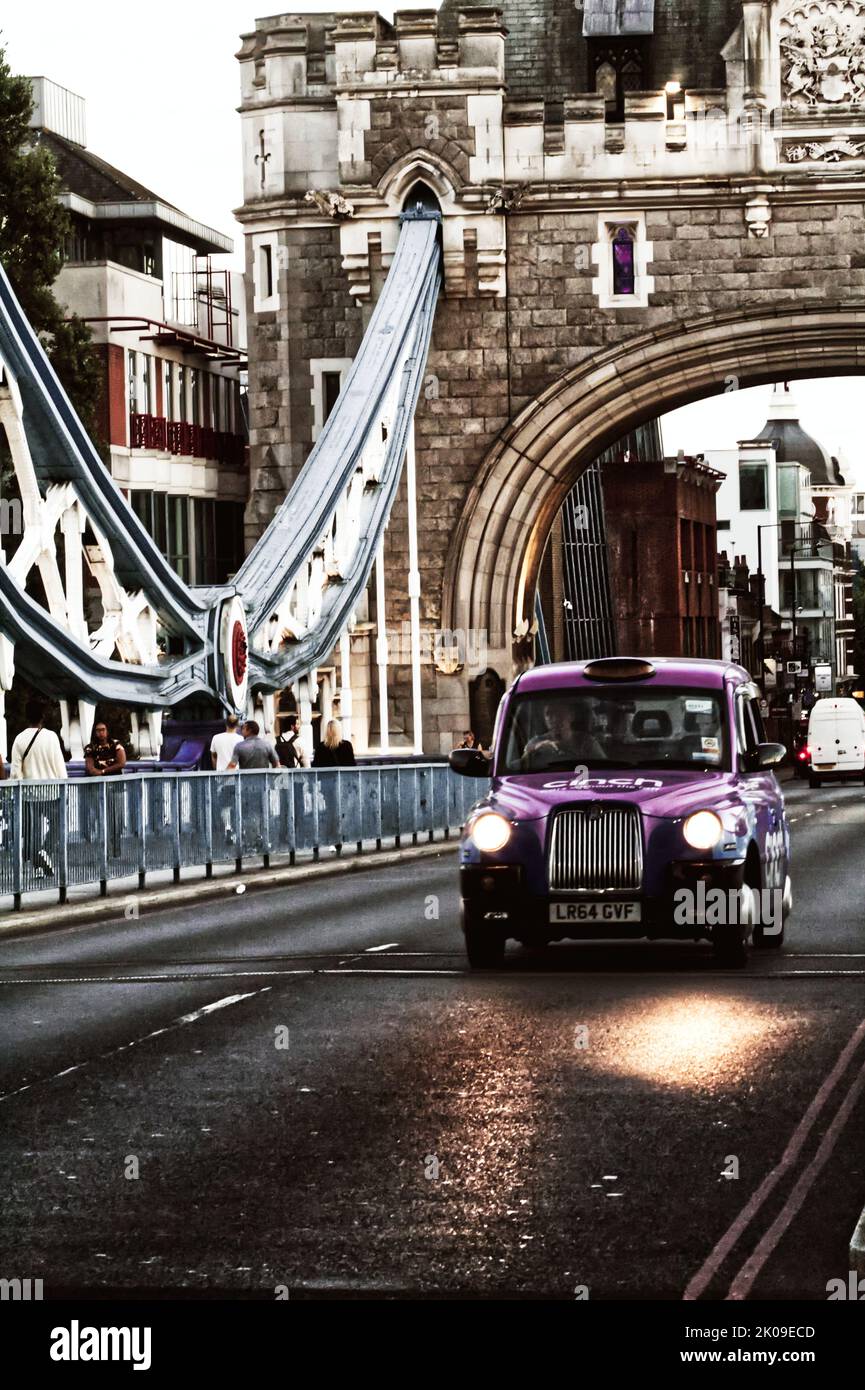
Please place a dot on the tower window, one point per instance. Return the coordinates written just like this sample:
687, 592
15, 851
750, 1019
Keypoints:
266, 271
615, 69
624, 272
622, 255
330, 383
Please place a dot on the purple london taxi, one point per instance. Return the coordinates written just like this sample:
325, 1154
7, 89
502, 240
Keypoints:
629, 797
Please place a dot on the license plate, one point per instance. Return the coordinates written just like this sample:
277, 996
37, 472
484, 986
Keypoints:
596, 912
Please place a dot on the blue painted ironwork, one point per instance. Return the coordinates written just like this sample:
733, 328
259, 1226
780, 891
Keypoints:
63, 835
388, 367
396, 341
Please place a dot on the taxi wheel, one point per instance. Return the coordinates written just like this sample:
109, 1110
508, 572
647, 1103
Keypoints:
730, 946
485, 944
730, 940
772, 942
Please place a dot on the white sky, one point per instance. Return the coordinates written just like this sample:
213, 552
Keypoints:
162, 87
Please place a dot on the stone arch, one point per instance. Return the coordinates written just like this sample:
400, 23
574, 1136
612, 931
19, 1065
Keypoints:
494, 557
426, 166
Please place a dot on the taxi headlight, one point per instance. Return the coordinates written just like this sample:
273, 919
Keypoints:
490, 832
703, 830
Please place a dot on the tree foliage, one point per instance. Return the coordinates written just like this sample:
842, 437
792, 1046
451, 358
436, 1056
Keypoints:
33, 231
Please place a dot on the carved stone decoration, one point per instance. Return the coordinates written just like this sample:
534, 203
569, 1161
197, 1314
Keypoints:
823, 54
758, 215
331, 204
824, 151
507, 199
447, 656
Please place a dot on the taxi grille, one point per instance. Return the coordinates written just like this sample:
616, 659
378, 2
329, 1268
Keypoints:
595, 849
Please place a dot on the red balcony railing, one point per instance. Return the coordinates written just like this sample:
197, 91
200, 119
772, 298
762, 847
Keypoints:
192, 441
148, 432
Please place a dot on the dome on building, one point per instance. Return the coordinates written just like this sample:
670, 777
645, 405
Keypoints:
795, 445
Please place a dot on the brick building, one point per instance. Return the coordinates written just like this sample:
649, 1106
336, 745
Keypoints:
663, 559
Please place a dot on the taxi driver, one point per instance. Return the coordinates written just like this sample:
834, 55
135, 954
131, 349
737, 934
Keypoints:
565, 739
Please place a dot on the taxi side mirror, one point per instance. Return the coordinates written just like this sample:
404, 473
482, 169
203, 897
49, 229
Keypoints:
470, 762
763, 756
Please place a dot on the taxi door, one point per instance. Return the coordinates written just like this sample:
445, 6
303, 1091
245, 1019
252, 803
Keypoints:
760, 790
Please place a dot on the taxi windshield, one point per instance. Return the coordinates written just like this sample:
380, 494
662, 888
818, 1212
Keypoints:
557, 730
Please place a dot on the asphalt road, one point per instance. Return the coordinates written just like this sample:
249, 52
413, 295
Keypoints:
305, 1090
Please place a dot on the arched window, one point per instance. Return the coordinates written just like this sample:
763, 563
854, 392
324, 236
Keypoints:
616, 68
624, 269
605, 82
622, 254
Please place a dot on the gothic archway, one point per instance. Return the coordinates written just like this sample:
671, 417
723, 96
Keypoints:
493, 562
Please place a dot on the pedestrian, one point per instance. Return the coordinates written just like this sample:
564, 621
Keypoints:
222, 748
253, 751
37, 756
105, 756
222, 745
469, 740
334, 750
289, 748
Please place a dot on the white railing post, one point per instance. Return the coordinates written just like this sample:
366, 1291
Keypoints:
414, 592
345, 700
381, 649
304, 710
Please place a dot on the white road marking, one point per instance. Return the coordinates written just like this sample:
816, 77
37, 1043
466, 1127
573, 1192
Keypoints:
701, 1280
158, 1032
387, 947
744, 1280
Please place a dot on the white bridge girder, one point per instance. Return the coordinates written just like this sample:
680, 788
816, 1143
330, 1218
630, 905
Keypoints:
293, 602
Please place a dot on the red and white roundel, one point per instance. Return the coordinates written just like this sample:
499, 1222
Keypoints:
234, 644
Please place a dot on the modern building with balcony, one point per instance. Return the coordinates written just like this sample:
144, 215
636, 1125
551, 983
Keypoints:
170, 330
780, 509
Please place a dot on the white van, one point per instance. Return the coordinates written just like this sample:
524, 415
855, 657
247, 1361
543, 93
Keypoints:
836, 740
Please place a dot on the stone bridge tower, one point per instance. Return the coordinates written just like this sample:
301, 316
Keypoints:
644, 202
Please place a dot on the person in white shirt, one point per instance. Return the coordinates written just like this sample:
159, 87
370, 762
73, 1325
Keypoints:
37, 756
222, 746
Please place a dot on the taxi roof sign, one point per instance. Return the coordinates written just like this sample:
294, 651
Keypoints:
618, 668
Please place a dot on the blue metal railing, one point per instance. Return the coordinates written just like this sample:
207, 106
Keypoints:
62, 835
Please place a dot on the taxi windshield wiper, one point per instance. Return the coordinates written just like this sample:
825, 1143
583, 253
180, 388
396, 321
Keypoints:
679, 764
593, 764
